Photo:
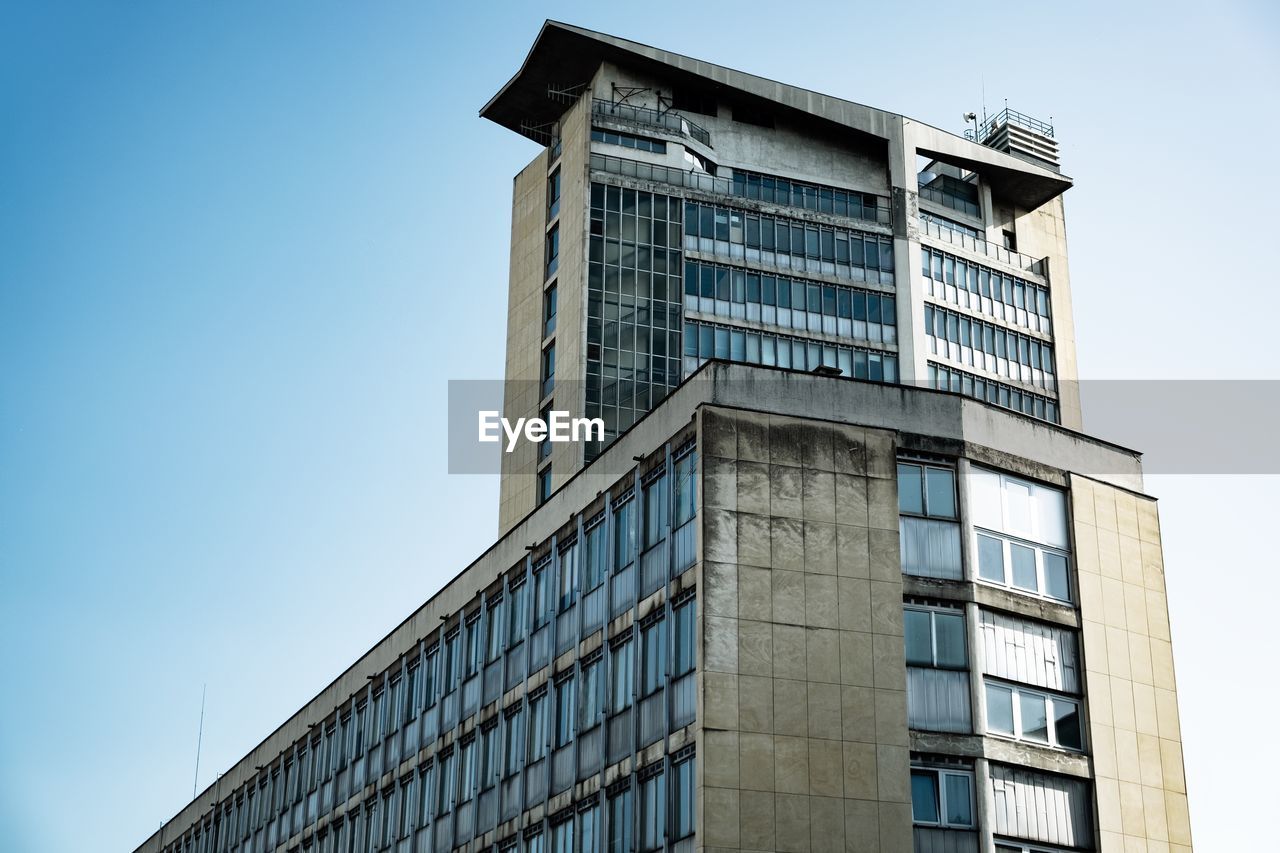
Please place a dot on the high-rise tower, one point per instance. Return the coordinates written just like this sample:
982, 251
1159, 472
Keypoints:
682, 211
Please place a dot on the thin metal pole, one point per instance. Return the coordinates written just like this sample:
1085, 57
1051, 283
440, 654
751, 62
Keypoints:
199, 739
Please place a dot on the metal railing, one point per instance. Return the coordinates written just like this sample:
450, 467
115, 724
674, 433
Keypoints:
651, 118
984, 247
697, 181
1008, 116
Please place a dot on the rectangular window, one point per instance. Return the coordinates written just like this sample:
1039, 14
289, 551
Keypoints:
549, 300
488, 756
562, 837
686, 486
623, 535
452, 659
622, 676
653, 652
620, 821
683, 801
496, 625
513, 745
553, 250
1021, 534
549, 369
942, 798
444, 784
590, 692
473, 647
541, 593
568, 587
467, 770
684, 651
566, 708
595, 558
934, 637
538, 727
653, 812
926, 490
553, 194
517, 614
655, 511
1030, 715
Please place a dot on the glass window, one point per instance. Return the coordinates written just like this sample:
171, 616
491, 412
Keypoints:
1056, 583
517, 614
655, 510
924, 796
444, 784
624, 535
686, 483
591, 691
1023, 560
958, 800
589, 824
653, 650
910, 492
622, 667
594, 568
941, 492
549, 300
991, 558
553, 249
514, 744
537, 727
562, 837
919, 639
653, 813
683, 656
683, 801
1066, 724
1000, 709
467, 770
949, 629
568, 576
566, 706
620, 822
553, 194
1035, 722
541, 600
548, 369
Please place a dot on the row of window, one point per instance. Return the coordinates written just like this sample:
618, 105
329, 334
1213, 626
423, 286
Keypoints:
788, 243
779, 301
989, 347
986, 291
953, 193
951, 225
704, 341
819, 197
987, 390
302, 784
628, 140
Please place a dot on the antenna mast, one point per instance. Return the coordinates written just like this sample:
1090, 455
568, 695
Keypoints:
199, 739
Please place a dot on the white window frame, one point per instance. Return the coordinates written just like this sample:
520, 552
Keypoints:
1006, 557
1016, 694
939, 774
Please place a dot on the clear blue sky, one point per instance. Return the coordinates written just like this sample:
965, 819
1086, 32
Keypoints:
244, 245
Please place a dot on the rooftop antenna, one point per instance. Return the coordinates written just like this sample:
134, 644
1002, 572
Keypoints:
199, 739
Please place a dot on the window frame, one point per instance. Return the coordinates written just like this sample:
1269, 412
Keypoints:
1048, 698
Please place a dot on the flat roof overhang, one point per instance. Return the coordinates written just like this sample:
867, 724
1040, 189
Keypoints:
564, 56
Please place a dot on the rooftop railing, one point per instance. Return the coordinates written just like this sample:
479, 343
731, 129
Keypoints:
984, 247
666, 120
707, 183
1008, 116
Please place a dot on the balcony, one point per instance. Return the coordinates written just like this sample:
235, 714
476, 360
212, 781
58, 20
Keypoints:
646, 117
983, 247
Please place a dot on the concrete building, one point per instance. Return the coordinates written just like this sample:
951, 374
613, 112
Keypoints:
878, 594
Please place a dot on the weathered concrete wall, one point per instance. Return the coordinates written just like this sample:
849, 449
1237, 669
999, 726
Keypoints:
1134, 731
804, 743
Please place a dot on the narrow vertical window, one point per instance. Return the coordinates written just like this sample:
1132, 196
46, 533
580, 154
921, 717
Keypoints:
553, 194
553, 250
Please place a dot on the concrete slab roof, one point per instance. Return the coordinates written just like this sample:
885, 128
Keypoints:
565, 56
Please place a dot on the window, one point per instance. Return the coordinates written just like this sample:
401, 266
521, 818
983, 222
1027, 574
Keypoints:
1021, 534
548, 369
534, 843
489, 755
942, 798
684, 650
538, 727
467, 770
568, 587
566, 705
451, 659
516, 613
545, 445
596, 557
622, 667
590, 691
553, 250
544, 484
620, 821
655, 510
1033, 716
934, 638
496, 624
624, 534
513, 747
653, 651
627, 140
562, 837
473, 649
541, 593
408, 804
653, 812
549, 299
684, 805
926, 490
444, 784
686, 487
553, 194
589, 821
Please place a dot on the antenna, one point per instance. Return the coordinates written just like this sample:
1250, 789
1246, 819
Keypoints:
199, 739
